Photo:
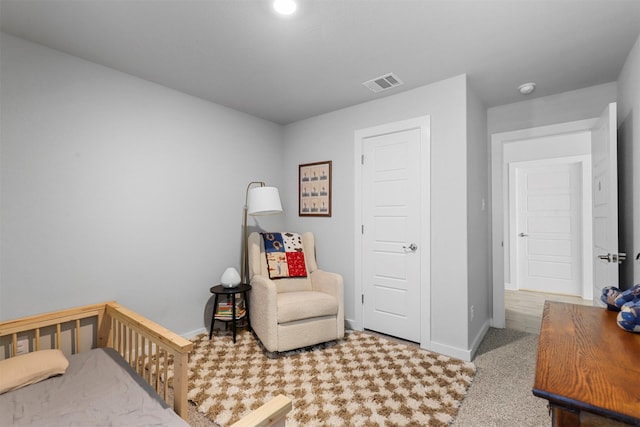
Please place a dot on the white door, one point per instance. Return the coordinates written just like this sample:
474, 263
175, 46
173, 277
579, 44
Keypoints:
605, 202
548, 227
391, 195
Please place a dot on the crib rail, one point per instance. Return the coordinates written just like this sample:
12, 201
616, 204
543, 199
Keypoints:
57, 319
149, 348
152, 351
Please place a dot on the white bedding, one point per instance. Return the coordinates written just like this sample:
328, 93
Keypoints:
98, 389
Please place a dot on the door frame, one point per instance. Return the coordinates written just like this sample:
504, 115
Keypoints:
424, 124
610, 269
584, 163
500, 205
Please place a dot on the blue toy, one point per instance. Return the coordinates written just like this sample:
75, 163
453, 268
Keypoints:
627, 303
615, 298
629, 316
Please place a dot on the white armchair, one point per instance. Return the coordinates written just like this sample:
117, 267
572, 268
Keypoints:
290, 313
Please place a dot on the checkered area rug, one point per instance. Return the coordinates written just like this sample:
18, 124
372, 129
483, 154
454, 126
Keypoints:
363, 380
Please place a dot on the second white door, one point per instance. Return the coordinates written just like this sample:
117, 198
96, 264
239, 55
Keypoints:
549, 228
391, 195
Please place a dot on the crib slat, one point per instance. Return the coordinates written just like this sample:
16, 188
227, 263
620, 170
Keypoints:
166, 372
14, 345
136, 352
116, 336
157, 386
121, 327
58, 334
142, 355
37, 339
77, 336
129, 345
149, 377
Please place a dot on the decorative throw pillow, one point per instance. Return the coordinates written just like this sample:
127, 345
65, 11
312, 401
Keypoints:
30, 368
285, 255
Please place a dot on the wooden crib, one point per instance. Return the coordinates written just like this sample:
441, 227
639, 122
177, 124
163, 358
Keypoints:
154, 352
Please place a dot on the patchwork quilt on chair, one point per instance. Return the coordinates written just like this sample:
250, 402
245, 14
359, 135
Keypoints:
285, 255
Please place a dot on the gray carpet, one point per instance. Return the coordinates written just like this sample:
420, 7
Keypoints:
500, 394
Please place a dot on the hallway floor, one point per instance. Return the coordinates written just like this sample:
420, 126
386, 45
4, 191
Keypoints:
523, 309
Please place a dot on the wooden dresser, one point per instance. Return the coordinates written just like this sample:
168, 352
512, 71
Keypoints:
588, 368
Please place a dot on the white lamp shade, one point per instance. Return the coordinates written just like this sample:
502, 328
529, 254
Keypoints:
230, 278
263, 201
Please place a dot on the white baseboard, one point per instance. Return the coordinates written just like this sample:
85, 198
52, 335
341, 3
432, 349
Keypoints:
464, 354
447, 350
478, 339
193, 334
495, 324
352, 325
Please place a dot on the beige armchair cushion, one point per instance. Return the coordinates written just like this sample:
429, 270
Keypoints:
294, 306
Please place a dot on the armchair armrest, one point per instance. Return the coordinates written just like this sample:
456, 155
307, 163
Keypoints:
332, 284
264, 317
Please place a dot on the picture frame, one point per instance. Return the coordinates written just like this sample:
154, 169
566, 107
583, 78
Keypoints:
314, 189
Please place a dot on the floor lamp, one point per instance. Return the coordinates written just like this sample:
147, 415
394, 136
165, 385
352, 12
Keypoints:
259, 200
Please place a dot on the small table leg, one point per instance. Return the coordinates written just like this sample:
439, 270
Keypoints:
213, 315
233, 313
246, 303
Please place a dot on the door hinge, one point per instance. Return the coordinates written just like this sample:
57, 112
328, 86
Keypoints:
362, 229
363, 298
362, 159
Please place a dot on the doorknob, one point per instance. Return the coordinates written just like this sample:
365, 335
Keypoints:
412, 247
614, 257
522, 235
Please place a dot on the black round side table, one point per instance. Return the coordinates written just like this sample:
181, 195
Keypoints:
218, 290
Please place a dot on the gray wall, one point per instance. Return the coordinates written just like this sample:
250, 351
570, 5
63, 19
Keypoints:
114, 188
478, 205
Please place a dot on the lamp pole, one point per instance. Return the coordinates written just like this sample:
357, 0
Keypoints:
245, 271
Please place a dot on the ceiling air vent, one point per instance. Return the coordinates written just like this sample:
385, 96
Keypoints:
385, 82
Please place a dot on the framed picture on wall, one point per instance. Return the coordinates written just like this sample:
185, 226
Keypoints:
314, 189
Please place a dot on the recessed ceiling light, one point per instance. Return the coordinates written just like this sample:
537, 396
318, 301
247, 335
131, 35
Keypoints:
285, 7
527, 88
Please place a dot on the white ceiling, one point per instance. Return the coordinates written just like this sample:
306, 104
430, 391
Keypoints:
239, 54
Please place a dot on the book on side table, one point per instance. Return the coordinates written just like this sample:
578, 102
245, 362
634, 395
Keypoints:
224, 310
